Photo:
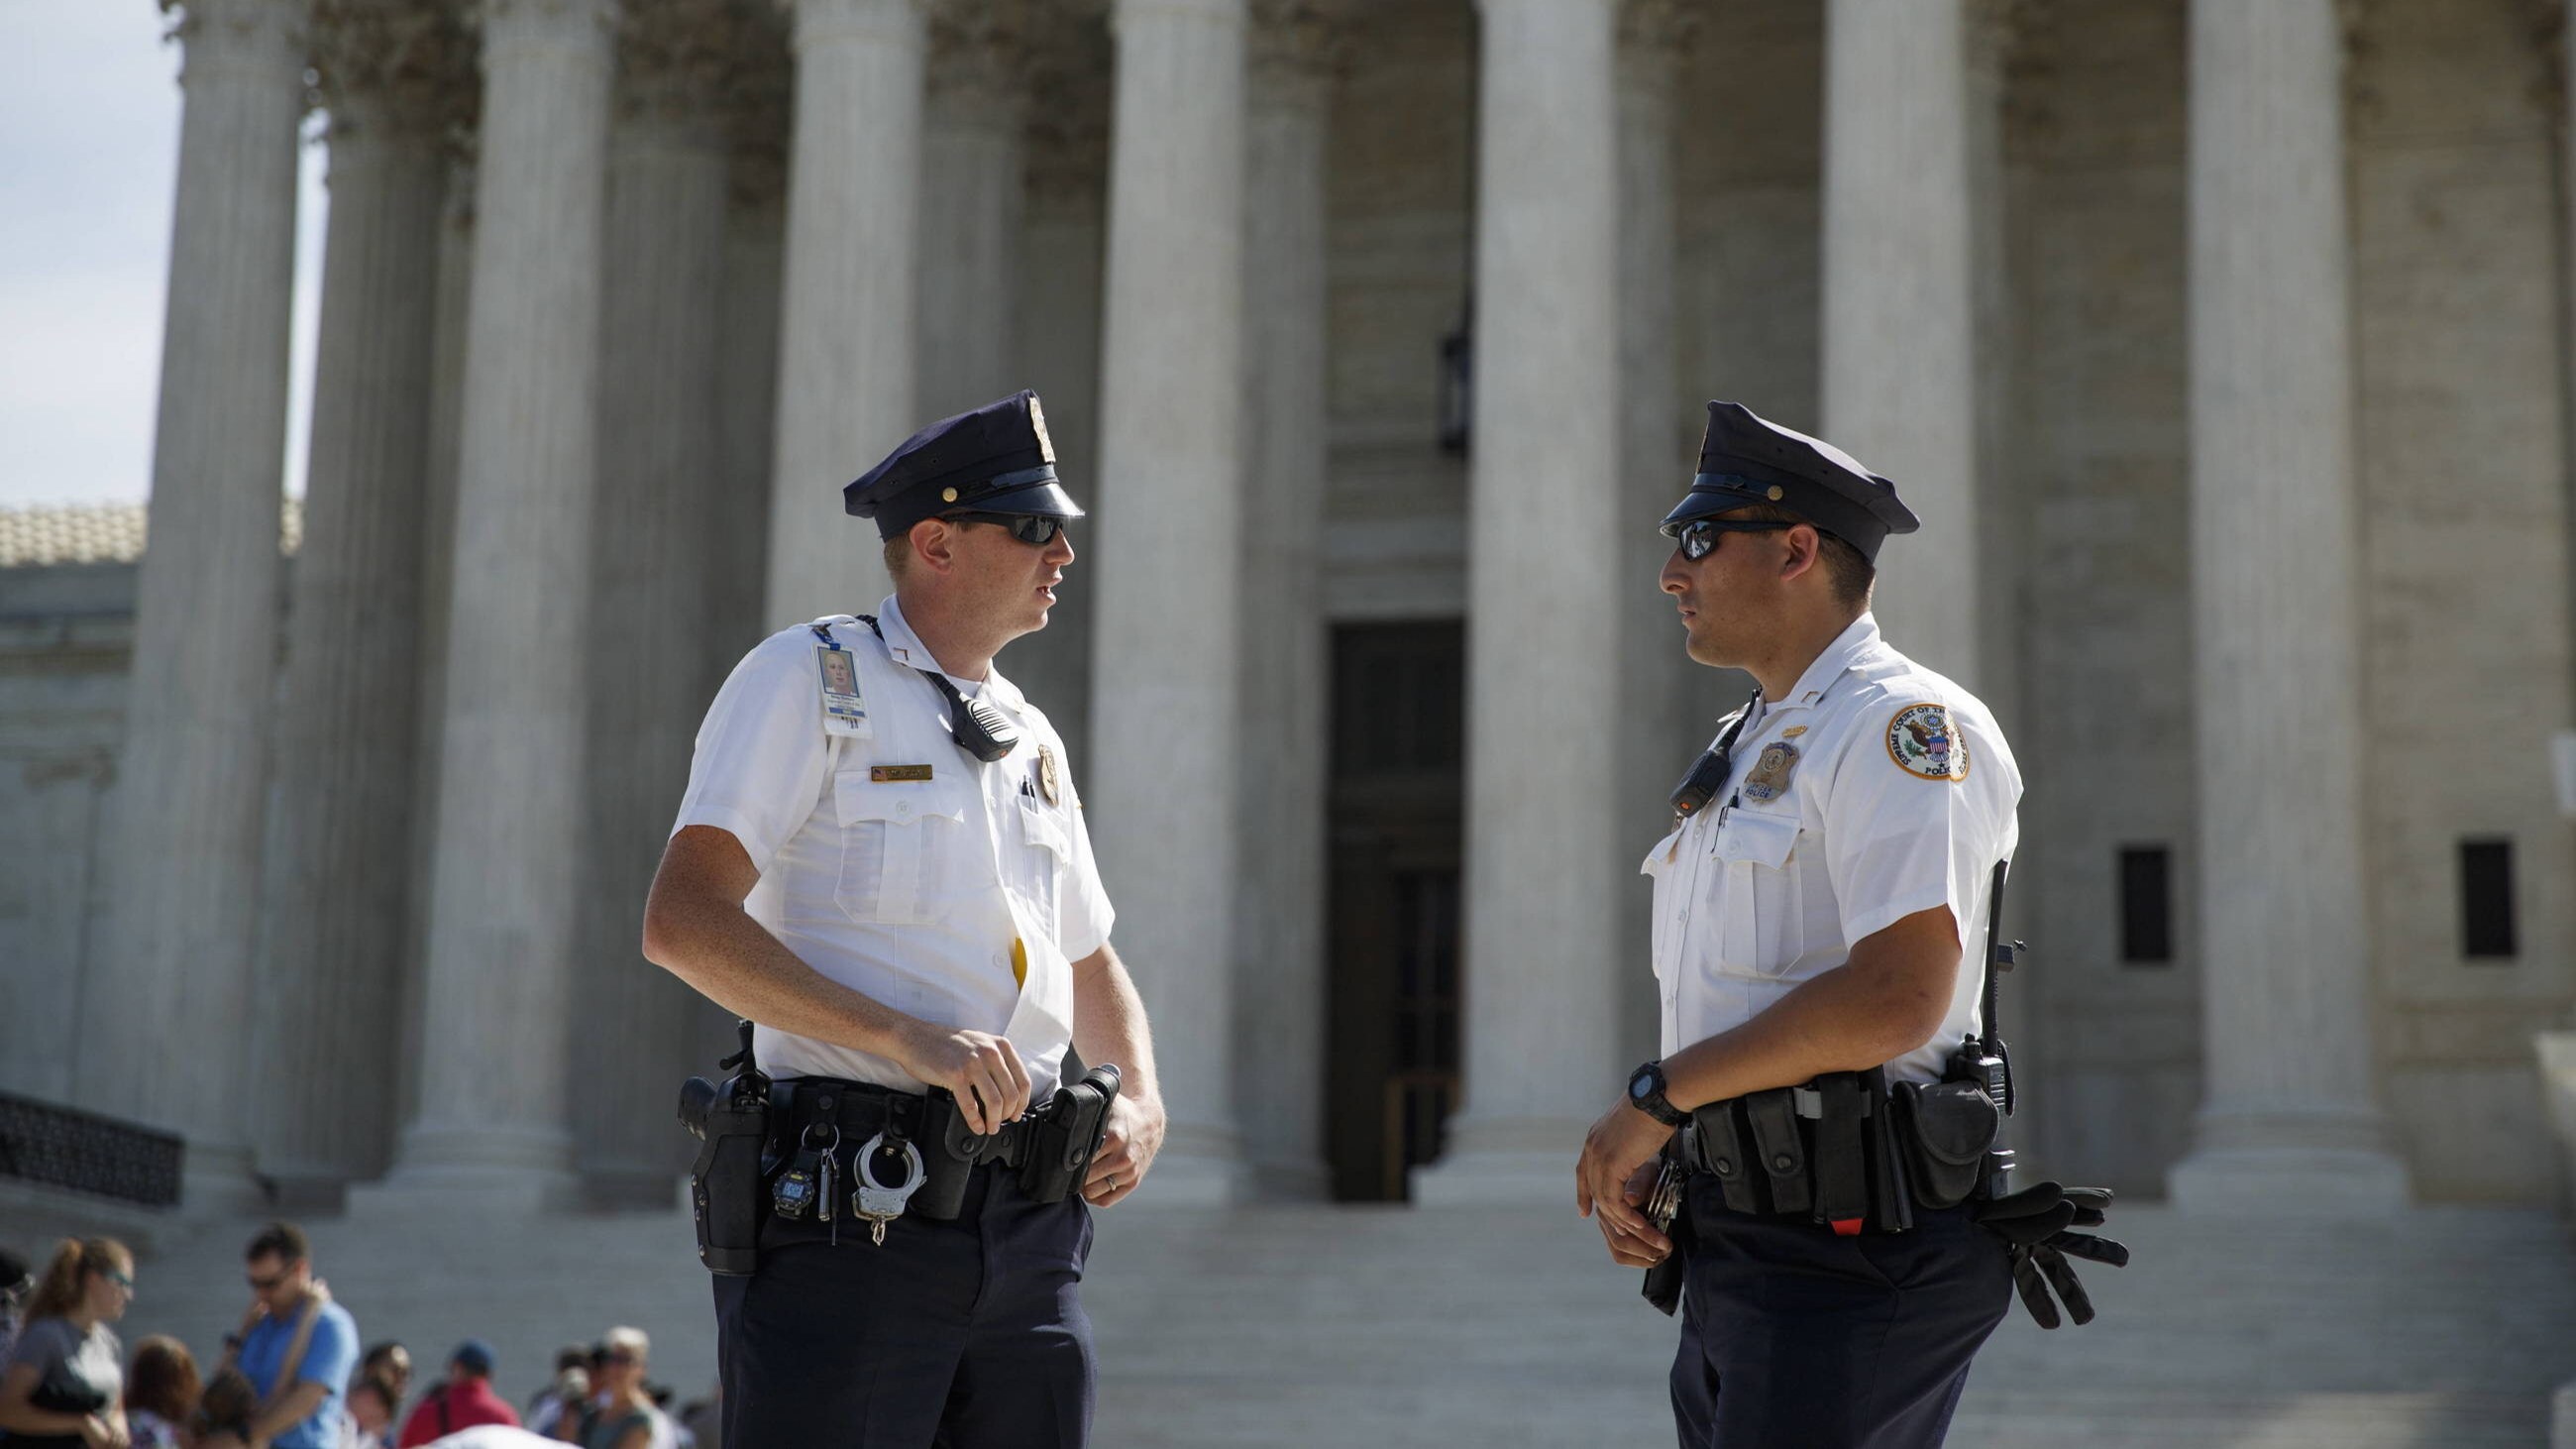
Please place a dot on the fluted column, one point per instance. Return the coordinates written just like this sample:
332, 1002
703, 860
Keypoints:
845, 371
1899, 326
1279, 927
338, 879
755, 109
1659, 731
1543, 860
1164, 687
177, 968
2289, 1122
497, 997
651, 572
971, 184
1066, 155
437, 587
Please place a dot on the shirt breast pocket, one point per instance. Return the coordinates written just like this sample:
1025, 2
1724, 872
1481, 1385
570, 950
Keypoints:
1760, 930
902, 844
1046, 854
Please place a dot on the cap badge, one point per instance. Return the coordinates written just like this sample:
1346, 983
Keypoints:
1037, 425
1770, 777
1925, 744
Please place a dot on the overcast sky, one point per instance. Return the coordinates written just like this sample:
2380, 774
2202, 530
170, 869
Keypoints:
89, 145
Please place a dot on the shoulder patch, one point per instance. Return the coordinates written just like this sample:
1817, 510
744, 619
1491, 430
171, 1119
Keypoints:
1924, 743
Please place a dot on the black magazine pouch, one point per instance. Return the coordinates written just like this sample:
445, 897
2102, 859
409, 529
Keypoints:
1945, 1130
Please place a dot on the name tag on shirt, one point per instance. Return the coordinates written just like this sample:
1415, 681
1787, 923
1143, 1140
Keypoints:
844, 713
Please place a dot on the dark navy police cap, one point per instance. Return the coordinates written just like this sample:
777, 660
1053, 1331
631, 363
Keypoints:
993, 459
1745, 462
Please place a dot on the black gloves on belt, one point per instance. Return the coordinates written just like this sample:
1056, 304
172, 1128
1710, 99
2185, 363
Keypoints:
2033, 1223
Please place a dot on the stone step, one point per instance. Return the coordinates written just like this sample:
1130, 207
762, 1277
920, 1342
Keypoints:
1386, 1326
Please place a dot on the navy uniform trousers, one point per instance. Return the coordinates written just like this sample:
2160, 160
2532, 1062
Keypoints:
1791, 1335
967, 1334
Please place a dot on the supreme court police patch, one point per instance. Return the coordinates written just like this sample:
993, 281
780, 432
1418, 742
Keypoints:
1770, 775
1925, 743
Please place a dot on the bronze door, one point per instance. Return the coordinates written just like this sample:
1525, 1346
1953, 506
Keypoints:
1398, 762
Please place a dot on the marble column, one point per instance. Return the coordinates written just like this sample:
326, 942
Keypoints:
1660, 732
1279, 924
1066, 154
662, 300
972, 160
1544, 859
437, 584
2288, 1122
1162, 805
177, 969
1899, 316
491, 1124
337, 885
756, 107
846, 358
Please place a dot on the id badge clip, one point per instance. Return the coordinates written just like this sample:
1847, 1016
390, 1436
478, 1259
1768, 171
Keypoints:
844, 712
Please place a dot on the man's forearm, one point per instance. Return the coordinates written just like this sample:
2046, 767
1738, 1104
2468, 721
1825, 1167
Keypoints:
733, 961
1109, 1023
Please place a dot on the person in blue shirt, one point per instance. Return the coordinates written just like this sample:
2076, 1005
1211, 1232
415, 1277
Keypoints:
299, 1392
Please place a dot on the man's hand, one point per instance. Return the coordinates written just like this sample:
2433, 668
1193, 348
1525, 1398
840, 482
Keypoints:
1626, 1251
981, 1070
1618, 1148
1127, 1152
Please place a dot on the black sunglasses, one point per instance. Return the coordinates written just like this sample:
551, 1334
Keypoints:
1699, 536
1034, 529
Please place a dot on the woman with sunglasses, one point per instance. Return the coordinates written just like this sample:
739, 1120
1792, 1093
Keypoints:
64, 1383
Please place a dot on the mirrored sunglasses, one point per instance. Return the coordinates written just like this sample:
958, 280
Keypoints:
1034, 529
1699, 536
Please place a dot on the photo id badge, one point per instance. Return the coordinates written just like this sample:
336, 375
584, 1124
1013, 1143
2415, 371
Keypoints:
844, 713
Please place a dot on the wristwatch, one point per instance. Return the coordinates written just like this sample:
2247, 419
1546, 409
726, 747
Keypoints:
1646, 1094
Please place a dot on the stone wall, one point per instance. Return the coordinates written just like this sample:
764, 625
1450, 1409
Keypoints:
2464, 526
66, 632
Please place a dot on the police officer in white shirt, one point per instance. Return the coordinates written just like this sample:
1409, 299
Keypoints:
1819, 922
881, 860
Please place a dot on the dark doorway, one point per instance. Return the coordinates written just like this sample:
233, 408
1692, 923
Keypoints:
1398, 765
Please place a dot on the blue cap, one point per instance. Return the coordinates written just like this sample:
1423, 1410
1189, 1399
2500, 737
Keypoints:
1745, 462
992, 459
475, 1356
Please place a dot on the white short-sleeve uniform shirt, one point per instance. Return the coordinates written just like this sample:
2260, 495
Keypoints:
899, 865
1876, 789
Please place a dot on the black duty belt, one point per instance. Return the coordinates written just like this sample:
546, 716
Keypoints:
1827, 1151
1048, 1150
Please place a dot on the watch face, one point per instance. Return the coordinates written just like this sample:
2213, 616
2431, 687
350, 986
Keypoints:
1641, 1086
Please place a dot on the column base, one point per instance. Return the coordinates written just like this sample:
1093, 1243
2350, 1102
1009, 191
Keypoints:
2297, 1162
444, 1171
1291, 1180
1199, 1167
1523, 1162
216, 1181
2289, 1182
